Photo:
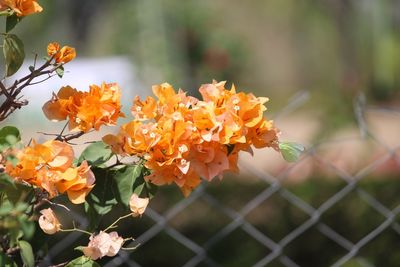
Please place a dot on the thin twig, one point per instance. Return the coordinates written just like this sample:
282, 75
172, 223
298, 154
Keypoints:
76, 230
114, 223
57, 204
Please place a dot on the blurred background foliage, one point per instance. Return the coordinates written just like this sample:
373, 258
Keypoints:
334, 49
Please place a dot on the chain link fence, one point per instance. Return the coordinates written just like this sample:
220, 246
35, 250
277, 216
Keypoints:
271, 250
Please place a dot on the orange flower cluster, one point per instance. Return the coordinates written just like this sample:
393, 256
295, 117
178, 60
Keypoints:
49, 166
183, 138
61, 55
21, 7
86, 110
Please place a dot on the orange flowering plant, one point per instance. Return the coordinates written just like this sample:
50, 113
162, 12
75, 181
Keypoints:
172, 138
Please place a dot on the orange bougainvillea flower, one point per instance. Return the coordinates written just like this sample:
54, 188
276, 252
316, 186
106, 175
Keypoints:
77, 182
182, 138
86, 110
21, 7
49, 166
53, 48
63, 55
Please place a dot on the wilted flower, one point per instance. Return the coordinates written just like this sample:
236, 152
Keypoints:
103, 244
138, 205
48, 222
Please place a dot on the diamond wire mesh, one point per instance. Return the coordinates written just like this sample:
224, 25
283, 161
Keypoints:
276, 187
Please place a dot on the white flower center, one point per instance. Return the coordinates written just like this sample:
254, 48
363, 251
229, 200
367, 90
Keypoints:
182, 148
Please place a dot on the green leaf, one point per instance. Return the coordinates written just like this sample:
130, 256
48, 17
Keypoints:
96, 154
101, 199
6, 208
14, 54
16, 192
82, 261
291, 151
60, 71
125, 179
9, 136
6, 180
150, 190
7, 12
28, 227
26, 253
79, 248
143, 188
12, 159
11, 22
5, 261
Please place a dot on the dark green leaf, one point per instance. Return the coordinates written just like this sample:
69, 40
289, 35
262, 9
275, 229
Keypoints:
19, 193
143, 188
6, 261
96, 154
60, 71
6, 208
139, 187
82, 262
291, 151
101, 199
9, 136
27, 227
14, 54
11, 21
6, 180
125, 179
150, 190
26, 253
15, 235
